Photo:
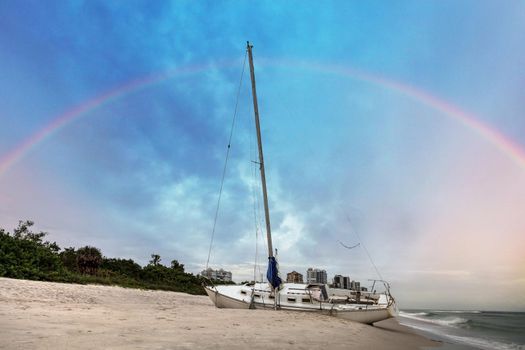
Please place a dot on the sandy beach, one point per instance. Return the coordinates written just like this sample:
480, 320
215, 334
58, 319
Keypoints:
45, 315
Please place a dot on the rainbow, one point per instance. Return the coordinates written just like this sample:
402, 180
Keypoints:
508, 147
469, 120
84, 108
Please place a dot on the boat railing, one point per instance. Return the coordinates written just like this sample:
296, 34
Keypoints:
390, 297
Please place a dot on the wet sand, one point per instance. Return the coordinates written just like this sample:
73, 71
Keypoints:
46, 315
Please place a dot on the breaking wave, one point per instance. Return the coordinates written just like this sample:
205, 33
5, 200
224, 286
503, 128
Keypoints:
426, 317
482, 330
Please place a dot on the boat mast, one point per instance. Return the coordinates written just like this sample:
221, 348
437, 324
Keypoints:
261, 158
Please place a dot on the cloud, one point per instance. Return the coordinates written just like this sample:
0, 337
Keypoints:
449, 273
431, 202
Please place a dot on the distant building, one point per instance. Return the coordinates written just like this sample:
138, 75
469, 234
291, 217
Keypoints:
341, 282
218, 275
346, 282
338, 281
354, 285
316, 276
294, 277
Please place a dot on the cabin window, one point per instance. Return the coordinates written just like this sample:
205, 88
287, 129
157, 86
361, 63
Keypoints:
306, 300
291, 300
271, 297
243, 292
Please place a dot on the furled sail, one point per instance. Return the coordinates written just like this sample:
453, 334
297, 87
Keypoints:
273, 273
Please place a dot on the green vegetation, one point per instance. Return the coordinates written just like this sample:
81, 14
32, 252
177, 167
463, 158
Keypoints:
25, 255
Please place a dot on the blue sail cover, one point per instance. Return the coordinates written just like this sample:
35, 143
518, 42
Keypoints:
273, 274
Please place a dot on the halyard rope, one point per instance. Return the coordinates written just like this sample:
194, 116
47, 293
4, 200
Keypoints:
364, 248
226, 160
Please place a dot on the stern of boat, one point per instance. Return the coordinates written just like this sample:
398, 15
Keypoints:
393, 310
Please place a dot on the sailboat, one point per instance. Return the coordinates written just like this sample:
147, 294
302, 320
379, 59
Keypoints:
356, 305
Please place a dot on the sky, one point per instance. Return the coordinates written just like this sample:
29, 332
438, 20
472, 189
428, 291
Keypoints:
396, 125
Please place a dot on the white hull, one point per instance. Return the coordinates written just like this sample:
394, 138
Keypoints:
224, 302
365, 316
296, 297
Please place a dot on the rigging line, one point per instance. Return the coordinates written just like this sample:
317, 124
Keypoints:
256, 253
349, 247
255, 223
226, 160
256, 238
256, 192
256, 208
262, 221
255, 214
364, 247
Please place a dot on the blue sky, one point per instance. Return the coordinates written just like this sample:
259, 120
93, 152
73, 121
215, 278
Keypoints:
434, 201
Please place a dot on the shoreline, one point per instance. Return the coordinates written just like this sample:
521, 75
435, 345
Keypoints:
445, 344
40, 315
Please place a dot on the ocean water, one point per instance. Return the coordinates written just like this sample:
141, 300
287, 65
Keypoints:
488, 330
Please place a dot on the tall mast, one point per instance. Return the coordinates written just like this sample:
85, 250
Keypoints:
261, 158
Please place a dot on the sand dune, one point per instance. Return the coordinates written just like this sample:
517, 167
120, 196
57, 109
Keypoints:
45, 315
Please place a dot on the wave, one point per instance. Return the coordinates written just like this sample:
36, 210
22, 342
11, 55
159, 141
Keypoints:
451, 322
446, 321
481, 330
458, 311
408, 314
486, 344
479, 343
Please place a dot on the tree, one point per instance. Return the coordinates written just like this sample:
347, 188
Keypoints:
89, 260
23, 232
155, 260
176, 266
25, 255
69, 259
124, 267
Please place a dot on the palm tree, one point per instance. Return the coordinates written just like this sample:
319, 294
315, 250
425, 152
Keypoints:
89, 260
155, 259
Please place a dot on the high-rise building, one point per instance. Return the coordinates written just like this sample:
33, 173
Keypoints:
346, 282
316, 276
338, 281
218, 275
354, 285
294, 277
341, 282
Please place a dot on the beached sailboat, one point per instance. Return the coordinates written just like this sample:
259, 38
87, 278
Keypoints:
360, 306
